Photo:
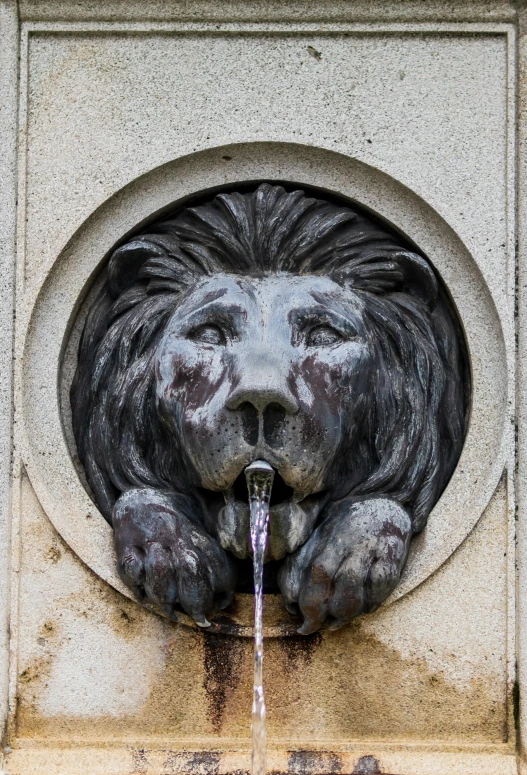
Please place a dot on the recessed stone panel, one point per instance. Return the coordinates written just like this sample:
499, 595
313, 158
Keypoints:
122, 121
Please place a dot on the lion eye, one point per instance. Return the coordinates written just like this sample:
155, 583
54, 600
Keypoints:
322, 335
208, 335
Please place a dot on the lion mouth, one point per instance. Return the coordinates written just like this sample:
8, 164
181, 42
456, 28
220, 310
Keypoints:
280, 492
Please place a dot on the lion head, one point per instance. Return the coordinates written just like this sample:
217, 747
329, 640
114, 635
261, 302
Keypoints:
275, 325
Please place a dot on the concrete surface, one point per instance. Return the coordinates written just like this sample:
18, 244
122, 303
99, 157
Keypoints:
126, 107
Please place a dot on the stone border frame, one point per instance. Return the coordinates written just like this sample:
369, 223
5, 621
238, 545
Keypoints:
460, 17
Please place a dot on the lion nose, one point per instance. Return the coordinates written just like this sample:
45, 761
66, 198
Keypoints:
259, 389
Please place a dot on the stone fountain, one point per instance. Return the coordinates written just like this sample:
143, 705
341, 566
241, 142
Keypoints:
315, 320
267, 333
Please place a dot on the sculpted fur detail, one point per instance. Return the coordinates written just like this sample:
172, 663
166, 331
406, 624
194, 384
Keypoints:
272, 325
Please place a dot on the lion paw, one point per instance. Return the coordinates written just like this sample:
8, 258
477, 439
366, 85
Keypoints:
349, 565
165, 555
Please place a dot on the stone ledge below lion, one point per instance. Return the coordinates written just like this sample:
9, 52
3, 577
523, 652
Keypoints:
374, 759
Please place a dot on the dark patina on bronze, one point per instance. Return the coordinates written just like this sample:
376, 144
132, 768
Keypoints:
268, 324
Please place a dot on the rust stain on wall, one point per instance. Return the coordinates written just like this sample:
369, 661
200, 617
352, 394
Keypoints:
222, 662
340, 686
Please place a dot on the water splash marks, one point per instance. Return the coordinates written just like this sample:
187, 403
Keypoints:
259, 477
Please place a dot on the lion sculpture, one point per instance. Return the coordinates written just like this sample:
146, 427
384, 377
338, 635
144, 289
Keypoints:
268, 324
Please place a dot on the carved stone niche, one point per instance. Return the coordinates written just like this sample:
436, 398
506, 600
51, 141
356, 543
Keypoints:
277, 322
402, 308
333, 692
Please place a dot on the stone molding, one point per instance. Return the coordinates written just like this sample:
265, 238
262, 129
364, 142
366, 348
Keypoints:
337, 11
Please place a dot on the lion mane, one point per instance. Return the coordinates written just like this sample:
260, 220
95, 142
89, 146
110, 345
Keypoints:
416, 422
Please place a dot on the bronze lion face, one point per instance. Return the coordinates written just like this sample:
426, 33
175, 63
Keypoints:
268, 325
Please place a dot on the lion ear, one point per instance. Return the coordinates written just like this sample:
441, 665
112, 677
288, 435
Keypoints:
126, 262
418, 277
394, 271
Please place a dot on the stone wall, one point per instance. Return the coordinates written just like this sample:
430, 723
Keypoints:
113, 112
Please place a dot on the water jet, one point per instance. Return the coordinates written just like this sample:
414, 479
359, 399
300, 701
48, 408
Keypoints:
259, 475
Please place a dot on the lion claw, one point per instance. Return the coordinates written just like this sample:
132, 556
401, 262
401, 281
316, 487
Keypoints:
350, 565
165, 556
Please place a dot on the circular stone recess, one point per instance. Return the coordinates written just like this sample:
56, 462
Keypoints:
56, 319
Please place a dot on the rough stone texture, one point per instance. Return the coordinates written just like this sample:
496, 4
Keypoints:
424, 686
271, 10
387, 100
8, 126
431, 666
522, 391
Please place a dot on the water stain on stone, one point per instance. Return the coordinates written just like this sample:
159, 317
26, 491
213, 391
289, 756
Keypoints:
33, 672
516, 705
140, 762
367, 765
360, 683
197, 763
300, 648
365, 685
313, 762
318, 688
53, 554
222, 662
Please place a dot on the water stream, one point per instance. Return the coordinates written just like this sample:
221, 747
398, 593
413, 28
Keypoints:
259, 477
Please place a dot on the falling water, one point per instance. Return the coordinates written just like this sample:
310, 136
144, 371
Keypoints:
259, 477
